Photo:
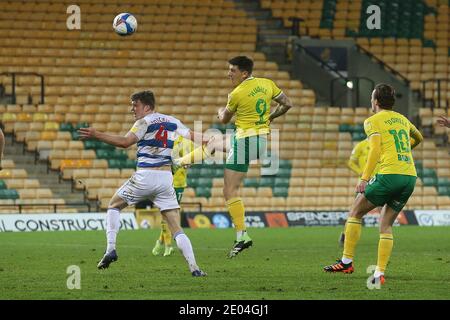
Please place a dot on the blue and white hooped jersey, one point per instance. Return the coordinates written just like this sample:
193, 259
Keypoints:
157, 133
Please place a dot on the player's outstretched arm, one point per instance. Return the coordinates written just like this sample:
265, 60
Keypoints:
284, 104
443, 122
112, 139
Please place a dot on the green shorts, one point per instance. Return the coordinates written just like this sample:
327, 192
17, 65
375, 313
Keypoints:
179, 193
391, 189
244, 150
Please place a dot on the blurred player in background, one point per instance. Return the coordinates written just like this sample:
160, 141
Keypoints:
181, 147
2, 146
356, 163
391, 138
154, 134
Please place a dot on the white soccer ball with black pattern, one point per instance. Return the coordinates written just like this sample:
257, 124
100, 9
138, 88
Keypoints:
125, 24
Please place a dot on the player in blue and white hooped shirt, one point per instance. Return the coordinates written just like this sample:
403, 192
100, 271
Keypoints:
154, 134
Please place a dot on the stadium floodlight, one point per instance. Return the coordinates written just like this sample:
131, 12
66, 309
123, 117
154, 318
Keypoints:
349, 84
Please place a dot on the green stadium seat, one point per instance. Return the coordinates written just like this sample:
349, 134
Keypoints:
207, 172
284, 172
118, 154
267, 181
203, 192
104, 154
359, 127
90, 145
427, 172
218, 172
418, 164
66, 127
194, 172
192, 181
444, 190
281, 182
280, 191
102, 145
444, 182
81, 125
114, 163
358, 136
129, 164
2, 185
9, 194
429, 181
344, 127
75, 135
251, 182
205, 182
284, 163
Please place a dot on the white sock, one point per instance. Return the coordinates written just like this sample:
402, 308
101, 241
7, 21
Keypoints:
112, 228
346, 260
239, 234
184, 244
378, 273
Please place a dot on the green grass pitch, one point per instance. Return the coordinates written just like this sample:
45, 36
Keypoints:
284, 263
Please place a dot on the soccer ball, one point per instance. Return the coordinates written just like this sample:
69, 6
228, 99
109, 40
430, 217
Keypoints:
125, 24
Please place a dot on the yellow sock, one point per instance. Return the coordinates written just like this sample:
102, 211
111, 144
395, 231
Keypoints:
352, 235
197, 155
384, 250
237, 213
165, 233
161, 234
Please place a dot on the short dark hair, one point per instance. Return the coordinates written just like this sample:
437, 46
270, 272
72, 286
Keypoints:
385, 95
146, 97
243, 63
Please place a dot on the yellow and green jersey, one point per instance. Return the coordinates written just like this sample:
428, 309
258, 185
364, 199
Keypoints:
251, 103
359, 156
395, 131
181, 147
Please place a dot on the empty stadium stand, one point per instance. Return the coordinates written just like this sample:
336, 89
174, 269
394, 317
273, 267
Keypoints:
91, 73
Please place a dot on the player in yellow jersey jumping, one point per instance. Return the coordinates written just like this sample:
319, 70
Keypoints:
391, 138
181, 147
250, 103
356, 163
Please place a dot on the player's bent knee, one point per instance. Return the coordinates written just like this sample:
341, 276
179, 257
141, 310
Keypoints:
117, 203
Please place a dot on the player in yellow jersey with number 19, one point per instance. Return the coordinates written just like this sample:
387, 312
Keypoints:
391, 138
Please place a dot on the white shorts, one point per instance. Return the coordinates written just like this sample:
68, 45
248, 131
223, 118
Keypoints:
153, 185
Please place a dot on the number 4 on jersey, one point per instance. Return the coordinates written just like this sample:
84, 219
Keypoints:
161, 135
